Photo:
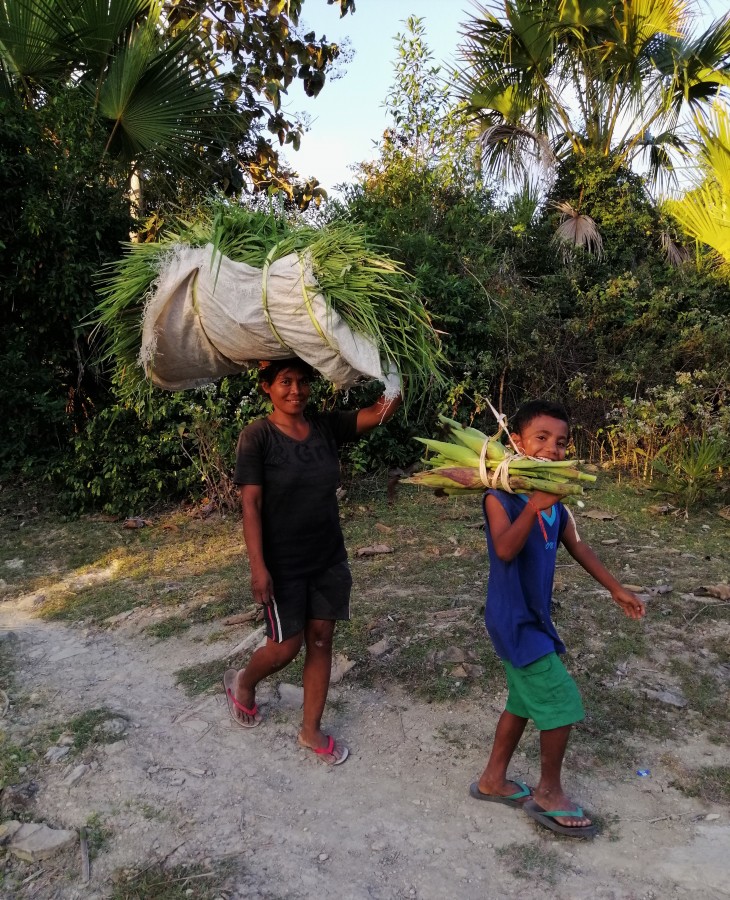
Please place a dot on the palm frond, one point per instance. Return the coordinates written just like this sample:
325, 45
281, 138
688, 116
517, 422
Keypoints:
577, 230
677, 254
508, 147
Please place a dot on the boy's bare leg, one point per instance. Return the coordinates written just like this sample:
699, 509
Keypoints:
549, 792
506, 737
265, 661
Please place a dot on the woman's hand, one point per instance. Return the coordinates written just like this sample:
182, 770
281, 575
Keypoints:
262, 587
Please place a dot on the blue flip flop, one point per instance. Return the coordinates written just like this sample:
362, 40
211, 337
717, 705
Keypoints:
547, 818
516, 799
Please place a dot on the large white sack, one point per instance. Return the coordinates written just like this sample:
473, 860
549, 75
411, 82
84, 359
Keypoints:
207, 317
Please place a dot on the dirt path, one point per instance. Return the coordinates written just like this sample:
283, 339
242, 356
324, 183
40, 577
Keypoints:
185, 784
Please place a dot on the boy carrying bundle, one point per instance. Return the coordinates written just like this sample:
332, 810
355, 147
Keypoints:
523, 533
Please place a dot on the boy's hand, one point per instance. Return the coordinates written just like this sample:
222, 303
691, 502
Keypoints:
629, 603
542, 500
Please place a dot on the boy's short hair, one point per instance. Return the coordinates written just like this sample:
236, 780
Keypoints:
269, 370
529, 411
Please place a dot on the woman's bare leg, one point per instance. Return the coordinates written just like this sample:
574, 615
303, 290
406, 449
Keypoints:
265, 661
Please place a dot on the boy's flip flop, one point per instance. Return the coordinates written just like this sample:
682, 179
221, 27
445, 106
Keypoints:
516, 799
229, 683
547, 818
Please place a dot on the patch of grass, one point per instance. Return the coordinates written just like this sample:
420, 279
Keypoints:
614, 717
209, 612
702, 690
158, 883
97, 835
608, 825
152, 812
168, 627
720, 646
91, 604
712, 783
7, 667
197, 679
12, 758
86, 731
414, 668
194, 554
216, 636
532, 861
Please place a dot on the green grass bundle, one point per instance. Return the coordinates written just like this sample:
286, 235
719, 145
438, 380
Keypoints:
456, 467
371, 293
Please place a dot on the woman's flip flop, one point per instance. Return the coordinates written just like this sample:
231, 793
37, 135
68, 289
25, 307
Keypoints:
229, 684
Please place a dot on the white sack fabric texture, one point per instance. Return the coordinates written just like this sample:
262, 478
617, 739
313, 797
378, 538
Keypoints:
208, 317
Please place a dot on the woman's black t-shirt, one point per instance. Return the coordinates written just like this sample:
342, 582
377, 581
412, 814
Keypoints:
300, 518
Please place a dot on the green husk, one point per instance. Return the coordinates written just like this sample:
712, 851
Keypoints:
371, 292
454, 466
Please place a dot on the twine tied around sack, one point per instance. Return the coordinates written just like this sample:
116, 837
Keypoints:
264, 298
270, 258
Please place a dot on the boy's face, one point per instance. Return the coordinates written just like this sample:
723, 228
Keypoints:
543, 437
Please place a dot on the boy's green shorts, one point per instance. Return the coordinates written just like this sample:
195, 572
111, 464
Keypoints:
543, 692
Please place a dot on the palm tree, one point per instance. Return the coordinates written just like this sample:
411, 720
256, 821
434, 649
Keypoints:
144, 93
704, 212
552, 78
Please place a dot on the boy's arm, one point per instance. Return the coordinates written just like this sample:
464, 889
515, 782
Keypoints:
582, 553
509, 537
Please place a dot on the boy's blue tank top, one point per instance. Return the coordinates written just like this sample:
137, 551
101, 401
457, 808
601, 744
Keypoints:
519, 592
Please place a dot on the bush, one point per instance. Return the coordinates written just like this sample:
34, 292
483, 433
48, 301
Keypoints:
64, 215
130, 457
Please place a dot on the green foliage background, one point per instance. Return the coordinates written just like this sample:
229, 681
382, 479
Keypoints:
64, 215
636, 349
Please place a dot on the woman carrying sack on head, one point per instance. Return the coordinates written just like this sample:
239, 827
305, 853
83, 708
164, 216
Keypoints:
287, 468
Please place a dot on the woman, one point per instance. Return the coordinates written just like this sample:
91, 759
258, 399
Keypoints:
287, 469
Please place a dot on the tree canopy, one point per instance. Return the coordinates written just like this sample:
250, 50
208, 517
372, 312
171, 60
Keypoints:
555, 77
186, 87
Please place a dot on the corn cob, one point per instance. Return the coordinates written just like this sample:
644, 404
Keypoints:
455, 466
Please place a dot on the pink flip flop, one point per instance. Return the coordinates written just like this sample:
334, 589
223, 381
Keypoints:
229, 683
329, 750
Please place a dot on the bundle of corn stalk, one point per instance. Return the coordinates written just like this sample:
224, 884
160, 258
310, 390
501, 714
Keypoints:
471, 462
230, 287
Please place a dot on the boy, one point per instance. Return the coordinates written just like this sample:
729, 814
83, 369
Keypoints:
523, 533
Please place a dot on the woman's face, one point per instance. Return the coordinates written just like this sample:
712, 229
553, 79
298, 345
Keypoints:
289, 391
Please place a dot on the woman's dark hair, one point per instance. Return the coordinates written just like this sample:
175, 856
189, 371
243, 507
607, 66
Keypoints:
267, 373
529, 411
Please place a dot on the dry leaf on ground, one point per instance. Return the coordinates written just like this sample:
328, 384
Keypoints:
721, 591
661, 509
598, 514
136, 522
374, 550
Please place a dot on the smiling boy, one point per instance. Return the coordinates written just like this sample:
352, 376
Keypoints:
523, 533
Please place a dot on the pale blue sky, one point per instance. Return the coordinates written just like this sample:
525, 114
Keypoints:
348, 116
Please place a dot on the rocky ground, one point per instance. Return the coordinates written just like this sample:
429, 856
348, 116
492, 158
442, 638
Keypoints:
173, 799
181, 783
